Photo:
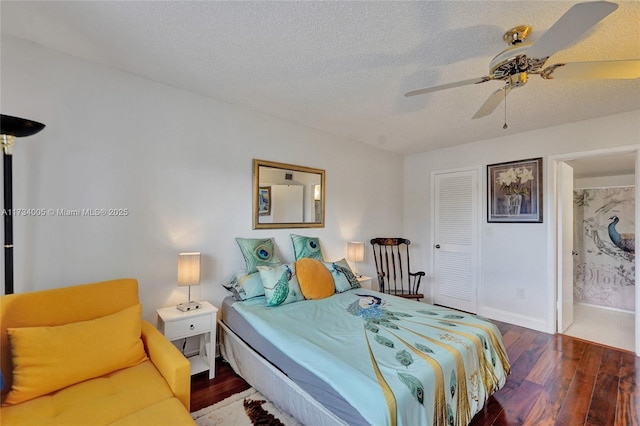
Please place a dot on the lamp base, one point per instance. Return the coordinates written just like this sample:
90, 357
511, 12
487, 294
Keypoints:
188, 306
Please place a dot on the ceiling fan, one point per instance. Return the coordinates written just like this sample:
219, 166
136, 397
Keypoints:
515, 64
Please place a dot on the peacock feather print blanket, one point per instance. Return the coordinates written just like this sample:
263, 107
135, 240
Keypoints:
397, 361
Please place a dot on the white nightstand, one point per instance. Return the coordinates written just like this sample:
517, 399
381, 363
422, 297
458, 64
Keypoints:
176, 325
365, 281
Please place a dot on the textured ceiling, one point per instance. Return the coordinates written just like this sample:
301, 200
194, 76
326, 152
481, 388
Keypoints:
343, 67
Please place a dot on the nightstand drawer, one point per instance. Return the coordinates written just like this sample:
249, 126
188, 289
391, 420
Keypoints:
187, 327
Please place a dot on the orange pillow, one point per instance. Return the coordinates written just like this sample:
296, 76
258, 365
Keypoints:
314, 278
46, 359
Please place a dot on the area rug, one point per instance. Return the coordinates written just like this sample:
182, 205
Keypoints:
247, 408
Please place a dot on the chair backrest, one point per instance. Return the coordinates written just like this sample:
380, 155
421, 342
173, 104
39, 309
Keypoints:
393, 265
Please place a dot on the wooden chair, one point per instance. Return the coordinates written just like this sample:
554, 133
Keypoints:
394, 271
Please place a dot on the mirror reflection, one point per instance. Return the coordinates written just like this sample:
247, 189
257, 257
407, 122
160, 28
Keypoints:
287, 196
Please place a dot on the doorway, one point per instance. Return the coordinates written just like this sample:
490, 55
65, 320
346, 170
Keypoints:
602, 293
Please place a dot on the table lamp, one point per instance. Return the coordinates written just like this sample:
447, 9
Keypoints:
189, 274
355, 254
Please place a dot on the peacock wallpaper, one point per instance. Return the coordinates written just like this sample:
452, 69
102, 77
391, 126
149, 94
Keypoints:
604, 247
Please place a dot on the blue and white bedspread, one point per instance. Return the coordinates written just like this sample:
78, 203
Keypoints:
397, 361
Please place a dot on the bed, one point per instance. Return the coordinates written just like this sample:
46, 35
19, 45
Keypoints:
361, 357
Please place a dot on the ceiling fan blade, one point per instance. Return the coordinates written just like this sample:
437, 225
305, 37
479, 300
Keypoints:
492, 102
605, 70
449, 86
575, 22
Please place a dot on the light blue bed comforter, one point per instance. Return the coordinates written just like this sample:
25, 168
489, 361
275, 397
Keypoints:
398, 362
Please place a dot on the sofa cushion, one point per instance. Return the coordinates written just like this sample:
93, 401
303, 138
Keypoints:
123, 397
47, 359
169, 412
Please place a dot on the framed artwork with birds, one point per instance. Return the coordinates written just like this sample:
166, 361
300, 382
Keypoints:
604, 247
626, 241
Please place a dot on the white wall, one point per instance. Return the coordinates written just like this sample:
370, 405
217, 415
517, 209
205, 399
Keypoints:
513, 255
604, 181
182, 166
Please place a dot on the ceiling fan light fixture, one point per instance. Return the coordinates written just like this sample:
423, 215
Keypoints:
513, 60
517, 35
518, 80
514, 64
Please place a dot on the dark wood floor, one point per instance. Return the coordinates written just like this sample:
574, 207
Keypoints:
205, 392
554, 380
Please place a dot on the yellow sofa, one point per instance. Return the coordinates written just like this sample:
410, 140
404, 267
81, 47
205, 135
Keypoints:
154, 391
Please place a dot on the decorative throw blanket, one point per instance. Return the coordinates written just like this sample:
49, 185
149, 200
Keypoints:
397, 361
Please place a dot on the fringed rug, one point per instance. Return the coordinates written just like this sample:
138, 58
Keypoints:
247, 408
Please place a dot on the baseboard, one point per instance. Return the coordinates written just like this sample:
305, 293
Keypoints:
512, 318
606, 308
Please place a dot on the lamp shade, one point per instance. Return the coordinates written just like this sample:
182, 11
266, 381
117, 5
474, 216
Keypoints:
189, 268
18, 127
355, 251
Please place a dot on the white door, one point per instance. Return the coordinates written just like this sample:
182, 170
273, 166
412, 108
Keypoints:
287, 203
565, 246
456, 225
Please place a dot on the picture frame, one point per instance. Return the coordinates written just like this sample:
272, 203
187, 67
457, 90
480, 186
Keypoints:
264, 201
514, 192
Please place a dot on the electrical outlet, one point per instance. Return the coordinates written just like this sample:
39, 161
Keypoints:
520, 293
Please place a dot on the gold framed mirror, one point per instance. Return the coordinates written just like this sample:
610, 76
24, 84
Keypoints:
287, 196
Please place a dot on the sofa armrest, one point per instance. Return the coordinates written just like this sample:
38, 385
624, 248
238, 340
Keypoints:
173, 366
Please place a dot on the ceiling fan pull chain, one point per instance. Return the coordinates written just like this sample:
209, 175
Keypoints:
505, 109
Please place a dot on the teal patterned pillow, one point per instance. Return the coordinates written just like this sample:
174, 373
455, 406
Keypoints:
280, 284
306, 247
243, 286
257, 252
342, 275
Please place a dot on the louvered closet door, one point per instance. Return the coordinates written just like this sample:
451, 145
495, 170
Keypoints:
455, 233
